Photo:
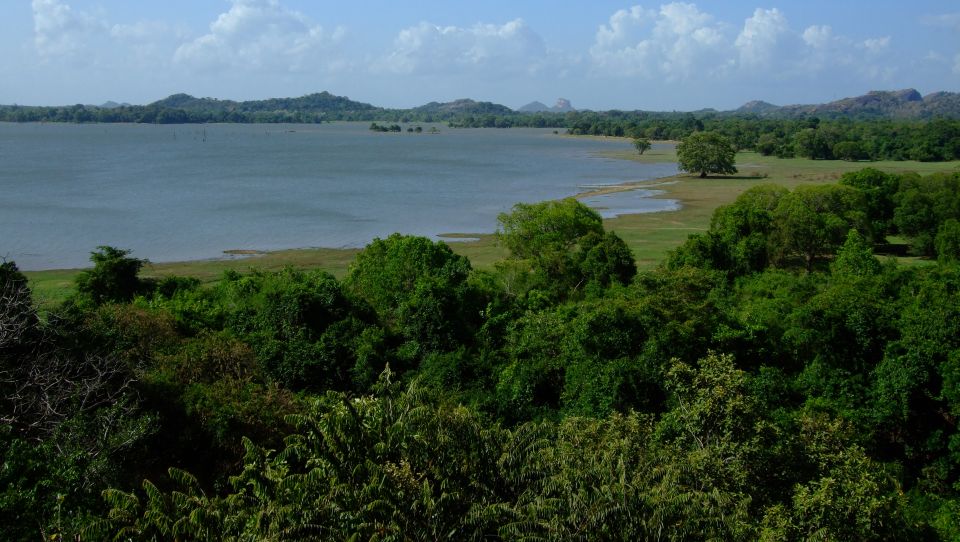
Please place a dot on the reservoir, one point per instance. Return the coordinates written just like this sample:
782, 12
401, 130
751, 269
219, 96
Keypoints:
183, 192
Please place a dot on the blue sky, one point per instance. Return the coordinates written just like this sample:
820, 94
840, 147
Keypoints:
599, 54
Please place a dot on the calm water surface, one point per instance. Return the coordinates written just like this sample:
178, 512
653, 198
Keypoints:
193, 191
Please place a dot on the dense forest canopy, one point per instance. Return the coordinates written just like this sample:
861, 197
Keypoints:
773, 379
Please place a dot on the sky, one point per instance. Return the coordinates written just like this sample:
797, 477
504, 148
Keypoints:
599, 54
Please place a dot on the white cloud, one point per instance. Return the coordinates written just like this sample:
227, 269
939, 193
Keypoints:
956, 64
58, 30
677, 42
261, 35
818, 36
623, 27
512, 47
876, 45
761, 35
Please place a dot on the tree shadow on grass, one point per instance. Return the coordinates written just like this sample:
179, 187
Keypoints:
735, 177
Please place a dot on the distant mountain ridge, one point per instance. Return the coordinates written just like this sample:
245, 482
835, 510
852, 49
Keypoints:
898, 104
905, 104
563, 105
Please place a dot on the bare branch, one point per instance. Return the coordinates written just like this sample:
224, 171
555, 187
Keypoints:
17, 314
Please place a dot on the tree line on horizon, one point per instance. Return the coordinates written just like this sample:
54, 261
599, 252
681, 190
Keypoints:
810, 137
773, 379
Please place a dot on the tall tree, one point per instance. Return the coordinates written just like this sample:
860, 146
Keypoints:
705, 153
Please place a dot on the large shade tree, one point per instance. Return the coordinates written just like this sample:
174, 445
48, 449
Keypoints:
705, 153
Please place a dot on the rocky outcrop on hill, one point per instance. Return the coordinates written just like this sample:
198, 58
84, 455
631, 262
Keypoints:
562, 106
906, 103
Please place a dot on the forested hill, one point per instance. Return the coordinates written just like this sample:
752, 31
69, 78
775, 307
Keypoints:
900, 104
320, 102
463, 107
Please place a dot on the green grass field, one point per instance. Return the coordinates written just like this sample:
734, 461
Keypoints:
650, 236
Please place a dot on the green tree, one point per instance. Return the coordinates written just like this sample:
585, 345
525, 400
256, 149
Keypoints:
302, 325
113, 278
878, 190
607, 260
705, 153
814, 143
642, 144
851, 151
767, 144
737, 239
543, 230
419, 289
923, 204
813, 221
559, 247
948, 241
850, 497
855, 258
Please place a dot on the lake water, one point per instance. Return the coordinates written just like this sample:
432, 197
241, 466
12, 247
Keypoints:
194, 191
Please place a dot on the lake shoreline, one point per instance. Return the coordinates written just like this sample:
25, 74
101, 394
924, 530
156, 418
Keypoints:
173, 194
253, 252
453, 238
651, 236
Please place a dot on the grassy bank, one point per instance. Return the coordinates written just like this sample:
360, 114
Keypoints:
650, 235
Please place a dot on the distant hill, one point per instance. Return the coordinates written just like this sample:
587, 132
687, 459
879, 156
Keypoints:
534, 107
110, 104
321, 102
462, 107
757, 107
562, 106
902, 104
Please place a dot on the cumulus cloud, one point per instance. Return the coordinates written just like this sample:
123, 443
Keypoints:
261, 35
818, 36
624, 27
761, 35
678, 41
59, 30
512, 47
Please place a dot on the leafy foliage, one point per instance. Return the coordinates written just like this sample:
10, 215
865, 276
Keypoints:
560, 248
706, 152
773, 380
113, 277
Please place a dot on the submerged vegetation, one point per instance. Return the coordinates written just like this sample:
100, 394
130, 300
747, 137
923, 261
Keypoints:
772, 379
